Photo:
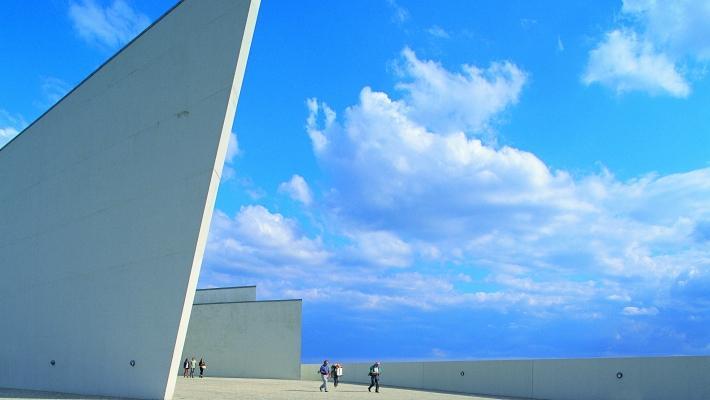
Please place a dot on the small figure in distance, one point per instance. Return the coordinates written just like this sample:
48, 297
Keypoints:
336, 371
324, 371
186, 367
375, 371
203, 367
193, 364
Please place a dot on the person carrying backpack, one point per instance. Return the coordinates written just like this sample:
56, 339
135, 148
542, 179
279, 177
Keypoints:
336, 371
375, 371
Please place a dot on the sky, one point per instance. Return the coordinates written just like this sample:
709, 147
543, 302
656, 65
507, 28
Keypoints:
469, 180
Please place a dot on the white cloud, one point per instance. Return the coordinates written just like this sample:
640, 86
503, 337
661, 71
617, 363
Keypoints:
680, 27
476, 226
639, 311
654, 47
10, 126
468, 101
401, 14
7, 134
54, 89
381, 248
451, 198
228, 171
396, 174
255, 237
438, 32
626, 63
232, 147
110, 26
297, 188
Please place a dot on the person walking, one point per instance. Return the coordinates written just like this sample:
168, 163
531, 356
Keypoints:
193, 364
336, 371
186, 367
324, 372
375, 371
203, 367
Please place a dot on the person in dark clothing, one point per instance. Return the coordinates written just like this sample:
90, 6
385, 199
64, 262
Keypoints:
336, 371
375, 371
203, 366
186, 366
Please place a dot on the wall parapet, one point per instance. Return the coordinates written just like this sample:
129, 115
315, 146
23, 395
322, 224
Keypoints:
649, 378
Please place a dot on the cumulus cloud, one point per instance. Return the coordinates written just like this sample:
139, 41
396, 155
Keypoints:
255, 238
297, 188
626, 63
680, 27
110, 26
655, 45
428, 218
450, 197
447, 101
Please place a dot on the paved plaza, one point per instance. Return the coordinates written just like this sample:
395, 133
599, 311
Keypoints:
253, 389
264, 389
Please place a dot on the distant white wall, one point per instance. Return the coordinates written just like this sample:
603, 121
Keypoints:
259, 339
648, 378
105, 205
225, 295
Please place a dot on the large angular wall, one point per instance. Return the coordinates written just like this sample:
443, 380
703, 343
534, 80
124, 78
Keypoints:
105, 203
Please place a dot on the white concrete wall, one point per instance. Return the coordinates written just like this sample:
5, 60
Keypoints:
648, 378
105, 203
225, 295
259, 339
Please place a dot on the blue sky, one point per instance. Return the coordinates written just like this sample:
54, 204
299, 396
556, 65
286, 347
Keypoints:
472, 180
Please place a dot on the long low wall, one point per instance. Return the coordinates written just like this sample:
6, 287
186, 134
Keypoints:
648, 378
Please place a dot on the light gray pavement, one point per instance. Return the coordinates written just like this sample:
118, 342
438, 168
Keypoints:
264, 389
271, 389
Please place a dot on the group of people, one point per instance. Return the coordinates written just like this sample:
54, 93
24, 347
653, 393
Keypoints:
335, 371
190, 365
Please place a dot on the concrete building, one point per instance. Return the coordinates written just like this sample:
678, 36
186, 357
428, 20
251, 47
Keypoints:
105, 206
240, 337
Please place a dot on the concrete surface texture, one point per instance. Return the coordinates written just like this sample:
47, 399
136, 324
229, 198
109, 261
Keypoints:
648, 378
261, 389
105, 204
259, 339
225, 295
